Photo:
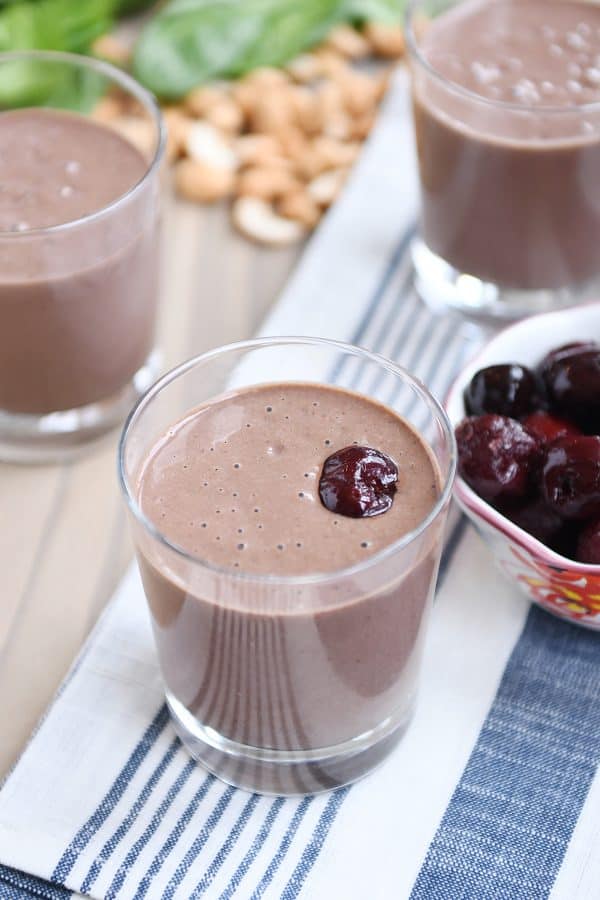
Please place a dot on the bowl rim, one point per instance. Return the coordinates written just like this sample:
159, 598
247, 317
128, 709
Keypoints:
467, 497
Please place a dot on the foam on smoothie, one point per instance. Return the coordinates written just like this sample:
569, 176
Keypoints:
236, 481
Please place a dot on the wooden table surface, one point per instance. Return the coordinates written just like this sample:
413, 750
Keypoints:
64, 542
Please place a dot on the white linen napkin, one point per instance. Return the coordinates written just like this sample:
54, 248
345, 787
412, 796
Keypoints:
491, 794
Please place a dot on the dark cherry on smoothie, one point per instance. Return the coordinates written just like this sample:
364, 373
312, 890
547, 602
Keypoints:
511, 188
242, 484
77, 304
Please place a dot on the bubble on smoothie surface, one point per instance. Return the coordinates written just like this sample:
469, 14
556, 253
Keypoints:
530, 62
270, 466
485, 73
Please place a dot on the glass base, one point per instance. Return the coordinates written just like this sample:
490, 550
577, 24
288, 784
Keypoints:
443, 287
285, 772
55, 437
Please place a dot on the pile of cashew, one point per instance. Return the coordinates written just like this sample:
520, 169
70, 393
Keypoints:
278, 143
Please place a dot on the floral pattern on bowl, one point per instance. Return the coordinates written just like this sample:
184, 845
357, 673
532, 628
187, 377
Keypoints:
561, 591
561, 586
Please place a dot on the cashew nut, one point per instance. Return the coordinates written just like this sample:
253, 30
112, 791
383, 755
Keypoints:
265, 183
293, 142
339, 126
359, 93
272, 111
326, 188
308, 111
361, 126
350, 43
386, 40
330, 98
252, 149
202, 99
305, 68
332, 64
246, 96
310, 163
257, 220
226, 115
336, 153
202, 183
109, 47
301, 207
267, 77
206, 144
178, 125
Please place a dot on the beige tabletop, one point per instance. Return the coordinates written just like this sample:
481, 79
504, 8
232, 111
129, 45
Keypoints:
63, 531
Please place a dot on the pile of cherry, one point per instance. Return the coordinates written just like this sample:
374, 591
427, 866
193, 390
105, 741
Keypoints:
531, 446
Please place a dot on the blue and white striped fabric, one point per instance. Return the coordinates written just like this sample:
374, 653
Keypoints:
494, 791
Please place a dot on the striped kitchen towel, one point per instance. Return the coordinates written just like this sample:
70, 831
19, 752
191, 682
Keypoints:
493, 793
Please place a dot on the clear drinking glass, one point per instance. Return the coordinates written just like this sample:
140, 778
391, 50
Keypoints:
296, 684
510, 192
78, 299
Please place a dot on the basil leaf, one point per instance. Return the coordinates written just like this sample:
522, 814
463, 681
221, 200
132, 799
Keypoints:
182, 47
50, 25
129, 7
291, 28
388, 12
54, 24
191, 41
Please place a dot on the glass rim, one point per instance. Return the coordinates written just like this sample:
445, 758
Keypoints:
313, 578
412, 9
129, 84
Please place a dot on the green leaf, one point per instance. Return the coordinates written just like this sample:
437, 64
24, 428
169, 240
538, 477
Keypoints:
129, 7
191, 41
290, 30
50, 25
384, 11
182, 47
54, 24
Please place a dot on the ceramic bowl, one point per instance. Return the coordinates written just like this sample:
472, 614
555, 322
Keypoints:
561, 586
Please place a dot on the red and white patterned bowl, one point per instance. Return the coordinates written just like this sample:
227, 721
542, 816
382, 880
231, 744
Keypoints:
561, 586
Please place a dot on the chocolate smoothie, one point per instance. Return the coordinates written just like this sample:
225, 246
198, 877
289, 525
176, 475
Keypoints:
77, 304
287, 665
510, 187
